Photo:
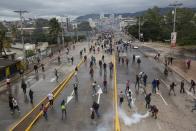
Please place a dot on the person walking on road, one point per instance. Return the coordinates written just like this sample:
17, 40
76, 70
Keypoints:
172, 88
104, 67
127, 86
127, 61
11, 104
182, 87
121, 98
76, 90
43, 69
105, 85
157, 83
24, 86
91, 73
50, 98
63, 109
103, 58
137, 83
145, 77
154, 85
129, 98
192, 86
31, 96
94, 85
138, 61
111, 66
8, 82
100, 64
15, 105
133, 60
59, 60
85, 58
188, 64
95, 106
45, 110
72, 60
148, 100
35, 68
56, 74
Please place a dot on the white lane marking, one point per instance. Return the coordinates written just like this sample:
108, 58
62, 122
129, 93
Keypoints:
52, 79
159, 126
99, 92
69, 98
165, 83
162, 98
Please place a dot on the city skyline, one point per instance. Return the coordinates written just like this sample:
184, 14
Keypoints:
74, 8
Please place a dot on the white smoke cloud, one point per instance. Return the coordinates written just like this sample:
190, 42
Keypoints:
133, 119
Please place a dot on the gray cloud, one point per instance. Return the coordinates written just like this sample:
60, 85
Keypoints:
39, 8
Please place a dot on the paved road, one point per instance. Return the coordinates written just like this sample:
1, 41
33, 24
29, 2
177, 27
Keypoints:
78, 113
41, 83
174, 111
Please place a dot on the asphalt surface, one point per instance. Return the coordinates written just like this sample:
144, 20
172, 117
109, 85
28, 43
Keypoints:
174, 111
41, 83
78, 112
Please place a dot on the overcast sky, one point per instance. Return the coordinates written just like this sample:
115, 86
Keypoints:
49, 8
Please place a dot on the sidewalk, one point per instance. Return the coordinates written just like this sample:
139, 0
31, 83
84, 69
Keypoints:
45, 61
178, 66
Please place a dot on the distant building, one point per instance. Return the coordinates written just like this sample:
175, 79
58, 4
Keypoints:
102, 16
92, 23
31, 29
127, 22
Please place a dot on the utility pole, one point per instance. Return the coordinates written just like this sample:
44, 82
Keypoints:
174, 33
62, 27
21, 12
139, 29
175, 5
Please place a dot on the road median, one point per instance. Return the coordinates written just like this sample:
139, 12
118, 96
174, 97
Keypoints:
27, 121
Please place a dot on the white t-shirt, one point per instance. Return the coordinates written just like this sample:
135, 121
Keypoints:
7, 80
50, 96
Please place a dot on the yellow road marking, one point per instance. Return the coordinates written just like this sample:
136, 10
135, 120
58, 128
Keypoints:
117, 122
61, 85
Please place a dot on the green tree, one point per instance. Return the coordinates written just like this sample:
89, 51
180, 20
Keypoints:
151, 31
2, 38
14, 33
39, 35
84, 26
54, 30
133, 30
153, 15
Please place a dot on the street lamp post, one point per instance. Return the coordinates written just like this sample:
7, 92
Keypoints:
62, 27
174, 34
175, 5
139, 29
21, 12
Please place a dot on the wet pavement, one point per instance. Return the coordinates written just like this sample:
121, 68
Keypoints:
41, 83
174, 111
78, 112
